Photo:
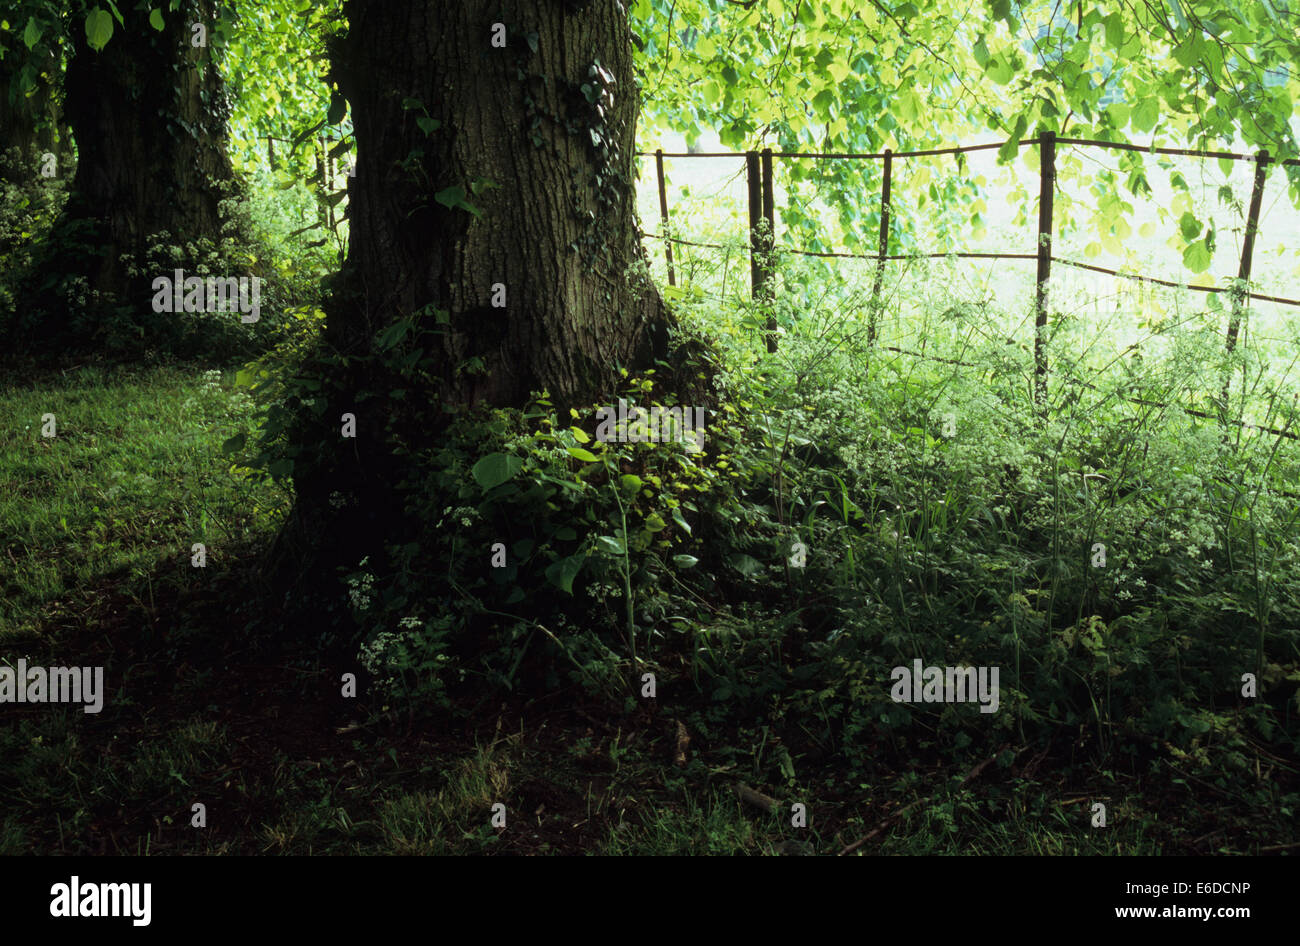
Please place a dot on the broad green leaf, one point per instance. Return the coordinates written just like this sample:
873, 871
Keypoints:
495, 468
1146, 113
999, 69
156, 20
607, 543
561, 573
586, 456
685, 561
32, 35
1197, 257
580, 435
99, 28
1115, 31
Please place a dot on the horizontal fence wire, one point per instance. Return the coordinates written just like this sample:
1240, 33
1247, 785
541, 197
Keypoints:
876, 257
759, 175
840, 155
966, 149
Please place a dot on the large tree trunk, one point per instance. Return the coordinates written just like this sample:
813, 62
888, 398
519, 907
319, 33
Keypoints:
148, 112
539, 137
32, 126
547, 138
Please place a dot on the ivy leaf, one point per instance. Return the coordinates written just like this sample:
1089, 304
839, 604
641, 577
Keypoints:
99, 28
338, 108
428, 125
454, 197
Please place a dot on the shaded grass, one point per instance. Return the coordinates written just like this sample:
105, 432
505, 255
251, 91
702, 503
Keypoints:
212, 701
132, 478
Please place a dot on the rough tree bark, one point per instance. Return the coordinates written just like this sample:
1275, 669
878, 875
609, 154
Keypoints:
148, 112
528, 109
543, 129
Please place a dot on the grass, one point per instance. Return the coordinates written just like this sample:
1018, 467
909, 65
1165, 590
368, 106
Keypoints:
130, 480
210, 702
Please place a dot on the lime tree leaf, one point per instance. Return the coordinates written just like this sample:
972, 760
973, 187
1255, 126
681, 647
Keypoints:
1146, 114
561, 573
1115, 31
1011, 147
494, 469
999, 69
1197, 257
99, 28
